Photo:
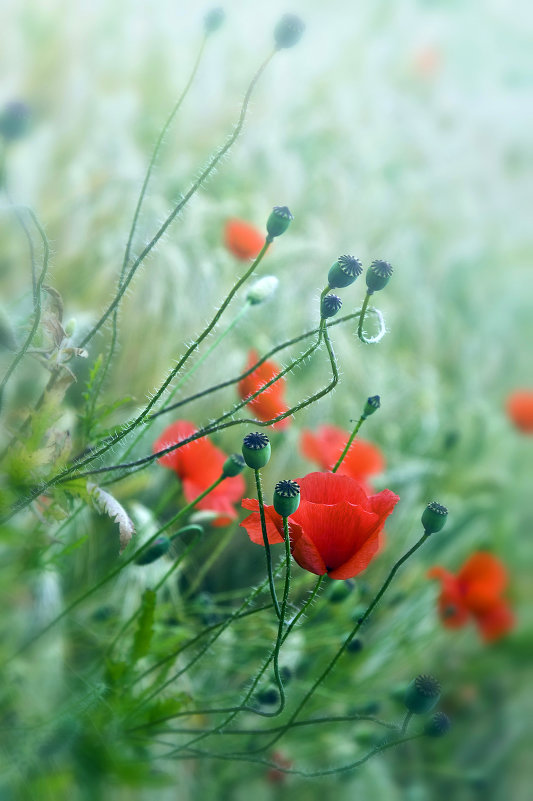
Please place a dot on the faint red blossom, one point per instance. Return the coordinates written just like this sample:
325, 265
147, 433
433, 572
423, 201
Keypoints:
519, 407
325, 445
475, 592
427, 61
198, 465
274, 775
271, 402
337, 529
242, 239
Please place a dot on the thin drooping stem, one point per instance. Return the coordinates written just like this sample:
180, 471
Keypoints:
347, 446
405, 723
268, 555
362, 317
212, 163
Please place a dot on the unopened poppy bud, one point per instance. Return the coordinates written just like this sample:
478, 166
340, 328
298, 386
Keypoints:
279, 220
340, 591
422, 694
288, 31
344, 271
268, 696
14, 120
286, 497
434, 517
158, 548
233, 465
372, 405
262, 289
285, 674
438, 725
378, 275
213, 20
330, 306
256, 449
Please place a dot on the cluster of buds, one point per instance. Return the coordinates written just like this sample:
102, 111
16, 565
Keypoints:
421, 696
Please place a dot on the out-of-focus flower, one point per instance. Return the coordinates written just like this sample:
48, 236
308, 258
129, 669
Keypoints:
242, 239
198, 465
325, 445
271, 402
427, 61
274, 775
475, 592
519, 407
337, 529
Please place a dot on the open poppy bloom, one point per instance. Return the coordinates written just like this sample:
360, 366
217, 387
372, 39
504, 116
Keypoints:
337, 528
475, 593
242, 239
328, 442
270, 403
519, 407
198, 465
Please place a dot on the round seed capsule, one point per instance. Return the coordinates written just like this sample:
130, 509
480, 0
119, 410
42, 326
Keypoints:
286, 497
434, 517
378, 275
233, 465
279, 220
330, 306
256, 449
344, 271
422, 694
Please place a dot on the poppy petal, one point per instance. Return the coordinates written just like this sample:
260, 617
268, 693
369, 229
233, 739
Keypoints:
495, 621
330, 488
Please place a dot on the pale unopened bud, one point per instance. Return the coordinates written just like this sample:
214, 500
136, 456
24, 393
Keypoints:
262, 290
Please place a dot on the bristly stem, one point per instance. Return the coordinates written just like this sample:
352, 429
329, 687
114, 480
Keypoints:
347, 446
405, 723
266, 543
279, 638
362, 318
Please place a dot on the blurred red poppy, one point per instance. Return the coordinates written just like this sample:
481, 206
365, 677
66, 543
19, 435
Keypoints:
325, 445
475, 593
270, 403
274, 775
337, 529
242, 239
198, 465
519, 406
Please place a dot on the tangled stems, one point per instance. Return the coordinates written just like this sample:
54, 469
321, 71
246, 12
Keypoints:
266, 543
212, 163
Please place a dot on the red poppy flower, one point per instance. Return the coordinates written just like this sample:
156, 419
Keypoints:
475, 592
519, 406
242, 239
328, 442
198, 465
337, 529
270, 403
274, 775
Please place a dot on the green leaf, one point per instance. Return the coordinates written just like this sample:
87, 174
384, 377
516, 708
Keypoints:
144, 632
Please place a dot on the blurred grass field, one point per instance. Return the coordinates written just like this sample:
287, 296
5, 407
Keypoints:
392, 131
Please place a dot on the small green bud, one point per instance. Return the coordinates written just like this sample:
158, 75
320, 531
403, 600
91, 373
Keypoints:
213, 20
262, 289
344, 271
378, 275
268, 696
288, 31
233, 465
434, 517
256, 449
339, 591
355, 646
279, 220
422, 694
285, 674
286, 497
14, 120
330, 306
438, 725
158, 548
372, 405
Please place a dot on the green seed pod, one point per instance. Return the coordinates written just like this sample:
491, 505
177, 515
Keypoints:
279, 220
330, 306
438, 725
422, 694
285, 674
256, 449
372, 405
344, 271
355, 646
158, 548
14, 120
288, 31
233, 465
434, 517
268, 696
286, 497
378, 275
213, 20
339, 591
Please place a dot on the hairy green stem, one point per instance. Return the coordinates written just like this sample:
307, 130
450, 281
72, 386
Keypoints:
362, 317
266, 543
347, 446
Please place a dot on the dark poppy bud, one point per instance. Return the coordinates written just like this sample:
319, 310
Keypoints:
344, 271
438, 725
339, 591
256, 449
286, 497
371, 406
434, 517
233, 465
422, 694
268, 696
288, 31
355, 646
279, 220
285, 674
213, 20
14, 120
378, 275
330, 306
158, 548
